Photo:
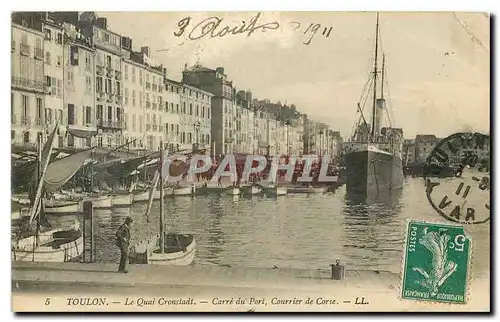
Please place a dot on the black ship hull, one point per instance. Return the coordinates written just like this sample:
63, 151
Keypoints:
373, 172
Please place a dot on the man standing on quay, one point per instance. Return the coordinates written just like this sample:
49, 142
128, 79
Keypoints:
123, 242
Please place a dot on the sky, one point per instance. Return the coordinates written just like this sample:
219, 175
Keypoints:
437, 64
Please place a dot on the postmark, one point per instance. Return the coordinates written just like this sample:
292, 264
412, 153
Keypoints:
436, 263
457, 175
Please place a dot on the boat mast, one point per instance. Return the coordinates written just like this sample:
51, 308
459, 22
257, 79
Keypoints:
39, 172
383, 73
375, 82
162, 224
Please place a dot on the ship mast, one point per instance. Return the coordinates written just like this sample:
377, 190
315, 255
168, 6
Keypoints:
375, 82
383, 73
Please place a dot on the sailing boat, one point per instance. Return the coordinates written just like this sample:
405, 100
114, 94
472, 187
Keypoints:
373, 154
56, 245
163, 248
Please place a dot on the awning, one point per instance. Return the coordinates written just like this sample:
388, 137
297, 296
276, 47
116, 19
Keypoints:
84, 134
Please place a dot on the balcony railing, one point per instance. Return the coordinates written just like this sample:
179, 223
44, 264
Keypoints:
26, 120
99, 70
27, 83
25, 49
109, 72
39, 53
111, 97
110, 124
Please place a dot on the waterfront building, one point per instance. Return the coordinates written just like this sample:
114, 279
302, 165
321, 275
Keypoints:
194, 118
243, 120
408, 153
108, 61
55, 72
424, 144
27, 78
172, 108
79, 94
143, 101
296, 136
222, 117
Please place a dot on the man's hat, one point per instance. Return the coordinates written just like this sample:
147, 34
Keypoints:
129, 220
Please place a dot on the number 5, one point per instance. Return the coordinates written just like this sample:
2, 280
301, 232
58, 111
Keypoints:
47, 301
458, 243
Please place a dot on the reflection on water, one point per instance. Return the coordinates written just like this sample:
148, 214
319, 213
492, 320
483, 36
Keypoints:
302, 231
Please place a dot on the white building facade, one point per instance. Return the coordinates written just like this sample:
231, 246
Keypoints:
27, 83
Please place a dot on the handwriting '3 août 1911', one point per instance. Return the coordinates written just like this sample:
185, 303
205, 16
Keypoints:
211, 28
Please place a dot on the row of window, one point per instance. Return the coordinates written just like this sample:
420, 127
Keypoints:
185, 91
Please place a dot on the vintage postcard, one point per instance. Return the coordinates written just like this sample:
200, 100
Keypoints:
250, 161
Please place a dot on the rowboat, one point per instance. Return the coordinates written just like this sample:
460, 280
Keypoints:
168, 191
183, 191
57, 245
144, 196
100, 202
252, 190
59, 207
122, 200
275, 191
232, 191
24, 201
307, 189
179, 250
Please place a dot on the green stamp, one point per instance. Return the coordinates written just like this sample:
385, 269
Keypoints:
436, 263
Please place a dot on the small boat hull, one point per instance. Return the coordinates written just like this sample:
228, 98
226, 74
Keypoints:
103, 202
61, 207
180, 250
122, 200
252, 190
276, 191
233, 191
307, 190
168, 191
58, 245
183, 191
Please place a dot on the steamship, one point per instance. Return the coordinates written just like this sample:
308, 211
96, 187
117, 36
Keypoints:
373, 153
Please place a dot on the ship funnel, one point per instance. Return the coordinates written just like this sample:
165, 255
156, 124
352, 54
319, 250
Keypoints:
378, 114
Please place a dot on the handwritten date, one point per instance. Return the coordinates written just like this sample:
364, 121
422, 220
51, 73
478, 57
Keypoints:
209, 27
312, 29
212, 27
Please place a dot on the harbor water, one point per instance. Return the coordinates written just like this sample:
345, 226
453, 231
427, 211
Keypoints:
299, 231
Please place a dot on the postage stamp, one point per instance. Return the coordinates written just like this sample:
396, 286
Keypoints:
248, 161
436, 263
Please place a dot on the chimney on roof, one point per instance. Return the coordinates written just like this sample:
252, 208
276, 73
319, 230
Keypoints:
102, 23
220, 70
145, 50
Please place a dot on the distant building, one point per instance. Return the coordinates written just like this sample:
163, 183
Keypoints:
172, 98
424, 144
215, 81
408, 153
